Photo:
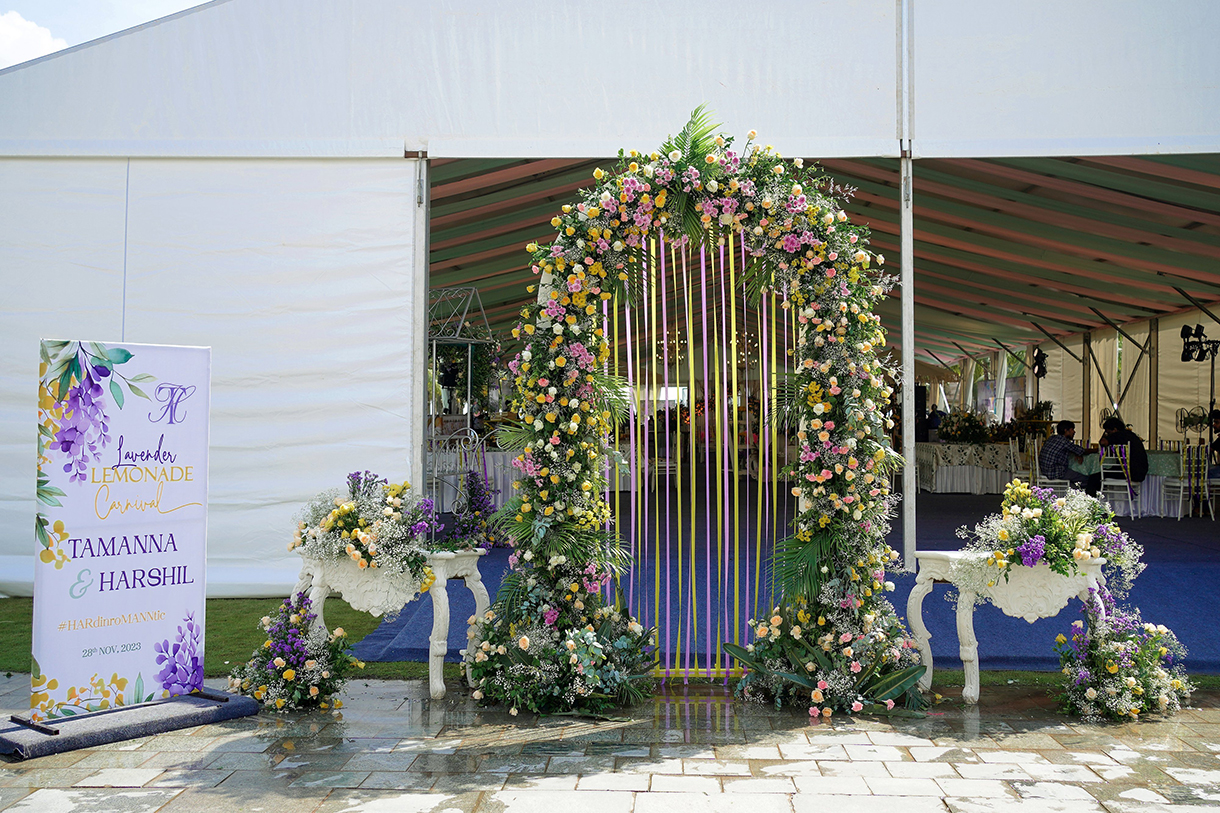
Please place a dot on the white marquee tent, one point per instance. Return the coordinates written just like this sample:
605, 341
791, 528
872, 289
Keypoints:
253, 175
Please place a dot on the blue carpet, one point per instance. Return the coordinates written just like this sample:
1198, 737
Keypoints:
1178, 589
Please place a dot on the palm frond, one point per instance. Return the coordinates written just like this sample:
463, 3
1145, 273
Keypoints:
696, 136
514, 436
787, 407
798, 565
612, 393
756, 277
511, 595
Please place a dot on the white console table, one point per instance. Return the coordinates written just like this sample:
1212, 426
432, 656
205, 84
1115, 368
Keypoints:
377, 592
1030, 593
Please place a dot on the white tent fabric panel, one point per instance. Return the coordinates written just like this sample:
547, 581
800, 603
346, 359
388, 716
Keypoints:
299, 276
61, 229
1135, 405
1105, 349
1065, 77
1183, 384
1062, 385
537, 78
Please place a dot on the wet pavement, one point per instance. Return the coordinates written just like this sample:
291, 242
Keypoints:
688, 749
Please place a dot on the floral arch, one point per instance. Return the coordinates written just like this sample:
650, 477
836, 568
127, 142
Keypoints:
554, 640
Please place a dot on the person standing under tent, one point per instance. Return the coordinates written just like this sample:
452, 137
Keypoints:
1053, 459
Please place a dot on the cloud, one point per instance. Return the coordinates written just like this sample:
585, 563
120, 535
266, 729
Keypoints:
22, 40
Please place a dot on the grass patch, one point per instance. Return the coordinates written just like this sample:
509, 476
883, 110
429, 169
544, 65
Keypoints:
233, 633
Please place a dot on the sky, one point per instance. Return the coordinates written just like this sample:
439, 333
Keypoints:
33, 28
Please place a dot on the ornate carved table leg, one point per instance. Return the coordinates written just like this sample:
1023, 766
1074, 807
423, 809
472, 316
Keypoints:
923, 586
968, 645
439, 643
474, 583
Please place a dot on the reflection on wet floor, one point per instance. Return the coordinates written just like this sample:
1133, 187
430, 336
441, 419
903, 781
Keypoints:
689, 747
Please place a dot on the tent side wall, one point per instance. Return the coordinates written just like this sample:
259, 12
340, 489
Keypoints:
299, 274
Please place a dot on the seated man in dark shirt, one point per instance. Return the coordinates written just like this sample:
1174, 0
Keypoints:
1116, 433
1053, 459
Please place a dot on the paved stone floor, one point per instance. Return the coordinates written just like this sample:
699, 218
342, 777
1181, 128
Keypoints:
393, 749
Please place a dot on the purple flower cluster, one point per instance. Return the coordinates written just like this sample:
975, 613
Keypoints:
182, 670
85, 428
364, 484
470, 527
1032, 549
288, 637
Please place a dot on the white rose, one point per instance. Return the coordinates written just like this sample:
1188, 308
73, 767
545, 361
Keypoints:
675, 155
1091, 693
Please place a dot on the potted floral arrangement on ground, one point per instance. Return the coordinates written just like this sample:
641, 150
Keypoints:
1114, 665
564, 646
300, 666
960, 426
1117, 667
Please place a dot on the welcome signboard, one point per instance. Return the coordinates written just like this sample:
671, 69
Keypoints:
121, 526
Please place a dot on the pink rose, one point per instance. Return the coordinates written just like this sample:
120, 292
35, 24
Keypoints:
857, 706
855, 666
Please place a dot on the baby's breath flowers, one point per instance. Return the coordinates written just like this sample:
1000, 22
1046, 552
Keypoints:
376, 524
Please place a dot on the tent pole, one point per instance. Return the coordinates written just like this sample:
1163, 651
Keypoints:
417, 333
907, 236
908, 370
1154, 380
1086, 393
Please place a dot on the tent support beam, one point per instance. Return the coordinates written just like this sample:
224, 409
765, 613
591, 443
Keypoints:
1135, 369
1015, 357
938, 360
1056, 341
1097, 366
1121, 332
1198, 305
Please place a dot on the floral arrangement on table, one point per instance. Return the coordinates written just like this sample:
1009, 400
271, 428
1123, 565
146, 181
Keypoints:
472, 526
564, 647
1039, 411
961, 426
1034, 526
787, 224
375, 523
1115, 665
1118, 667
1003, 432
300, 665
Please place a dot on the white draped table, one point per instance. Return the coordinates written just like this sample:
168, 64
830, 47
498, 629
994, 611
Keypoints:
962, 468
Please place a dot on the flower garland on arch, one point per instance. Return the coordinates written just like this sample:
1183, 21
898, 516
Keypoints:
787, 223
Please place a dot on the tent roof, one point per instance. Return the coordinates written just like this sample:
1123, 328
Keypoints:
1001, 245
549, 78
